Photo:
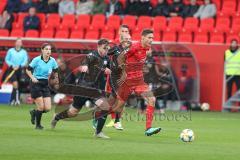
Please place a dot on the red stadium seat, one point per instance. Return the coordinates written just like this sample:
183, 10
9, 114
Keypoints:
216, 38
169, 36
136, 35
62, 34
201, 38
157, 36
207, 24
236, 25
42, 18
154, 3
113, 22
17, 33
228, 8
191, 24
144, 22
130, 21
218, 4
184, 37
231, 37
53, 20
98, 21
77, 34
4, 33
108, 35
3, 4
223, 24
92, 35
68, 21
21, 17
175, 23
83, 21
159, 23
32, 33
47, 33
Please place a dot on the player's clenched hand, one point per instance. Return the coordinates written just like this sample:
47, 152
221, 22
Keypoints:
84, 68
107, 71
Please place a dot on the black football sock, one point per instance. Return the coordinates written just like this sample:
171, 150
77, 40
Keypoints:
62, 115
13, 95
117, 118
38, 117
101, 121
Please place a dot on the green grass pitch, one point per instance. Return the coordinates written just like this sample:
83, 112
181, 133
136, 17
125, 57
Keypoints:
217, 136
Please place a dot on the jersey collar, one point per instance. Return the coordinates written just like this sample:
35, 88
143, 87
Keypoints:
43, 59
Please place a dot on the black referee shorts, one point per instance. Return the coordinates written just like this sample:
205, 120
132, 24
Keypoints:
40, 89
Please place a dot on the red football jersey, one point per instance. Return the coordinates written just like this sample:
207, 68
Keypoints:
135, 59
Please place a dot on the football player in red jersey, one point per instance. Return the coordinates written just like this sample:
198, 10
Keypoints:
134, 80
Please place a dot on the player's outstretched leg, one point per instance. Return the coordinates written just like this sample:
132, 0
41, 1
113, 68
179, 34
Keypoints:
149, 117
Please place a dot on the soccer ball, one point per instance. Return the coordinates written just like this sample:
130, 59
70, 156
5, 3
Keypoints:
187, 135
205, 107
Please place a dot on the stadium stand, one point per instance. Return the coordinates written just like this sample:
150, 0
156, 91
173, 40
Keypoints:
220, 29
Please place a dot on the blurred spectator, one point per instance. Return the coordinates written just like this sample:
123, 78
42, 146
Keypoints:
176, 8
207, 10
191, 9
53, 6
66, 7
42, 6
161, 9
25, 5
114, 7
131, 7
31, 21
185, 84
13, 6
99, 7
145, 7
84, 7
6, 20
232, 60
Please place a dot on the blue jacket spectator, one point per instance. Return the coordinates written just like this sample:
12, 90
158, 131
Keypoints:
25, 5
31, 21
191, 9
176, 8
114, 7
161, 9
13, 6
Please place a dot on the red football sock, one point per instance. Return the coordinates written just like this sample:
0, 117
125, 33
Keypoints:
113, 115
149, 116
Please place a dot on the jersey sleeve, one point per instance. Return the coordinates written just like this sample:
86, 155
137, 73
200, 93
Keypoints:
55, 65
33, 63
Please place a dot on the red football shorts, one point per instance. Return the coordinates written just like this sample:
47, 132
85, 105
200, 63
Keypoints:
138, 86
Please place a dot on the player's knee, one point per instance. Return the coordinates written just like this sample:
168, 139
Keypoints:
73, 112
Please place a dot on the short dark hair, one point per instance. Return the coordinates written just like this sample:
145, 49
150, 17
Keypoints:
124, 26
45, 45
102, 41
146, 32
234, 39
